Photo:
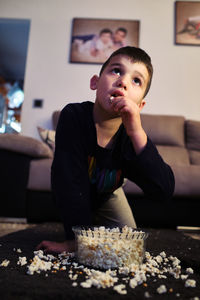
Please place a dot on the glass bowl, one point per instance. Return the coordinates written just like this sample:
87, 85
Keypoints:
109, 248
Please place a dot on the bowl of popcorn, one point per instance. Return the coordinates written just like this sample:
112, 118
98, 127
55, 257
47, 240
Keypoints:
109, 248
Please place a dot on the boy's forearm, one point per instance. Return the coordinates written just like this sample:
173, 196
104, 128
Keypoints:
139, 141
132, 123
149, 172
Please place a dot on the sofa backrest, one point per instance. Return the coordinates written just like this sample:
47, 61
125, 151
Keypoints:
192, 133
165, 130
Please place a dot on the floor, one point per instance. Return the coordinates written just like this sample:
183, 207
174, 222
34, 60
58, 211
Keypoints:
9, 227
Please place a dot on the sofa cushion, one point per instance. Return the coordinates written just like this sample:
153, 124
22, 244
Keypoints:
194, 157
174, 155
193, 134
25, 145
40, 175
164, 130
187, 180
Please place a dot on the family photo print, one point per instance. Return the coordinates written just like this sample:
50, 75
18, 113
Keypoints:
93, 40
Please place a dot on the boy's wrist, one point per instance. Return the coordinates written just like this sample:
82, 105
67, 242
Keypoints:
139, 140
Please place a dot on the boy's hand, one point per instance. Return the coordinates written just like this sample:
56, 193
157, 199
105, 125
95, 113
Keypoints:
57, 247
130, 114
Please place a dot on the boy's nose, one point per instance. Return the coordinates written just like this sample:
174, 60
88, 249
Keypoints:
122, 82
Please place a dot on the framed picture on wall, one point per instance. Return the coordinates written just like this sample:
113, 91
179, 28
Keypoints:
187, 15
93, 40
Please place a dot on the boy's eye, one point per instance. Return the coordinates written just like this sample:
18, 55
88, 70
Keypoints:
116, 71
137, 81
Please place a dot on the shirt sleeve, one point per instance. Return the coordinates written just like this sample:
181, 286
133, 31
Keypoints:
69, 173
149, 171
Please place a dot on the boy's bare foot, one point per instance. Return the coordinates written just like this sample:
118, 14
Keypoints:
57, 247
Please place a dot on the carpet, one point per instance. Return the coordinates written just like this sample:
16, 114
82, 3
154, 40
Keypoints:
15, 283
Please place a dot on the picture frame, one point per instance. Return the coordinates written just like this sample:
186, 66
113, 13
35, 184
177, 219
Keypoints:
187, 23
93, 40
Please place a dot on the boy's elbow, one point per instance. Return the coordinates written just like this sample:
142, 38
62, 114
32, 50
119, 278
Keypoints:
167, 190
164, 191
168, 185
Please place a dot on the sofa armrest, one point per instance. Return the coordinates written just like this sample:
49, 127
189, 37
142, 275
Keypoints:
25, 145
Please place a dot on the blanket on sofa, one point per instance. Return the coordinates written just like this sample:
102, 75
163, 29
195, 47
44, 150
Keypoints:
15, 283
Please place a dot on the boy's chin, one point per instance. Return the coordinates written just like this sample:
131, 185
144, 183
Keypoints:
115, 114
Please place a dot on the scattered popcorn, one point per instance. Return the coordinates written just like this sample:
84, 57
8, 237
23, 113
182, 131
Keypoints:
163, 254
74, 284
184, 277
147, 295
56, 265
19, 250
120, 289
175, 261
5, 263
87, 284
124, 270
159, 258
133, 283
22, 261
175, 271
38, 265
73, 277
99, 279
162, 276
190, 283
189, 271
162, 289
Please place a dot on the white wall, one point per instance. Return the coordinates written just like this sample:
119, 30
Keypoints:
50, 76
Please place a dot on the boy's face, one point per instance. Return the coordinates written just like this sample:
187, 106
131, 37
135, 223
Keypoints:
121, 78
105, 37
119, 36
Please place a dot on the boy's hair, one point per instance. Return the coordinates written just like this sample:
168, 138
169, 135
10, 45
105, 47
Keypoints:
124, 30
136, 55
105, 30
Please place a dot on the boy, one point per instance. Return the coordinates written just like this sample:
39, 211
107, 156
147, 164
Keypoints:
119, 38
102, 45
100, 144
99, 46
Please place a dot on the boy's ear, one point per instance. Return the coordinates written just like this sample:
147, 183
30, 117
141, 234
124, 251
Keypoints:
93, 82
141, 104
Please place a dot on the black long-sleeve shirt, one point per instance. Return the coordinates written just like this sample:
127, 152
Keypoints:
83, 173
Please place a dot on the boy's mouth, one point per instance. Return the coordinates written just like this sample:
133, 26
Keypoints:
115, 95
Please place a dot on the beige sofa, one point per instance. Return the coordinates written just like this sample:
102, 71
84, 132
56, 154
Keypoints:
178, 142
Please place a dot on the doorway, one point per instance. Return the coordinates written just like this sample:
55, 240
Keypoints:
14, 37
